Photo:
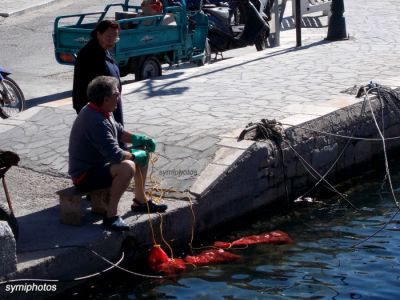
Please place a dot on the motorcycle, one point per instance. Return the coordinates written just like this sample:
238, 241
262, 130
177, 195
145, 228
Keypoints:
12, 100
237, 23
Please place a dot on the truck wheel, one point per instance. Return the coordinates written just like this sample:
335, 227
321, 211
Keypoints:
207, 55
6, 215
149, 68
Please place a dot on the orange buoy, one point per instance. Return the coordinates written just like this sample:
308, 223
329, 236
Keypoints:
160, 262
157, 257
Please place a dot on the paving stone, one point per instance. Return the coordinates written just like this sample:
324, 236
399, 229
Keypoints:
203, 143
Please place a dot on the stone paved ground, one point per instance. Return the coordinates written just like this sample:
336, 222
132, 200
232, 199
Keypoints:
187, 112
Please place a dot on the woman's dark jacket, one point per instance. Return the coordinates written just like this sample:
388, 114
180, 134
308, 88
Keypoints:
93, 61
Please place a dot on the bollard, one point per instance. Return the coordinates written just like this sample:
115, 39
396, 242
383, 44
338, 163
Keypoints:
298, 24
337, 22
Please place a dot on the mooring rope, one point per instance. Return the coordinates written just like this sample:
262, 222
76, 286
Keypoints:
267, 130
322, 178
340, 135
384, 95
349, 138
326, 172
379, 89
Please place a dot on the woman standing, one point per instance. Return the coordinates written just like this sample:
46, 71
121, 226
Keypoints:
93, 60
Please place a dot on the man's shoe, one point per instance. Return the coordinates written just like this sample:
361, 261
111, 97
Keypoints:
153, 207
115, 223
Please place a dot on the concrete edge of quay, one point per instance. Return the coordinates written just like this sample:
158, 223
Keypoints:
252, 174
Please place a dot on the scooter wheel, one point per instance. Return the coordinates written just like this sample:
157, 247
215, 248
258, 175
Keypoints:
261, 42
12, 100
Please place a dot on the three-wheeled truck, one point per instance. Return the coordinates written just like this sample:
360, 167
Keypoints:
146, 42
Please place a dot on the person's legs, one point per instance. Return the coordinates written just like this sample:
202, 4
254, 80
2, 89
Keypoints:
98, 177
140, 202
116, 177
122, 174
140, 183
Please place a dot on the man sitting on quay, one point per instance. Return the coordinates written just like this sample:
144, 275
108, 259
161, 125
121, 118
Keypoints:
96, 160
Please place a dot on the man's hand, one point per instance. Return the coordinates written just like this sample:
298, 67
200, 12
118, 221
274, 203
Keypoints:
141, 140
140, 157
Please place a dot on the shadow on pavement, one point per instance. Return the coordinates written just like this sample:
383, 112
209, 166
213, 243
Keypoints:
43, 231
46, 99
164, 89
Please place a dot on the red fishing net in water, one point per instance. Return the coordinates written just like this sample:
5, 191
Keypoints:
211, 256
160, 262
274, 237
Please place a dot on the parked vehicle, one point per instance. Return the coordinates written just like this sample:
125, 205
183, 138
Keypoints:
237, 23
145, 42
12, 100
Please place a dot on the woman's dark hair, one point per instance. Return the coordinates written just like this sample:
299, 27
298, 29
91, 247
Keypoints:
103, 26
100, 87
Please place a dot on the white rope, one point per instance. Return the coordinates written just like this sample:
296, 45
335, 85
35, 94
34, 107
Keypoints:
112, 266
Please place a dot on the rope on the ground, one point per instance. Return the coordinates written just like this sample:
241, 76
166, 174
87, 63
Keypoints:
266, 129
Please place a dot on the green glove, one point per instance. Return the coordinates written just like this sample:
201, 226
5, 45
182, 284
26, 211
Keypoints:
141, 140
140, 157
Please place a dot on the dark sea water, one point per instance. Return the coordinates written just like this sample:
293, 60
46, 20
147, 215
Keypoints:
322, 263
